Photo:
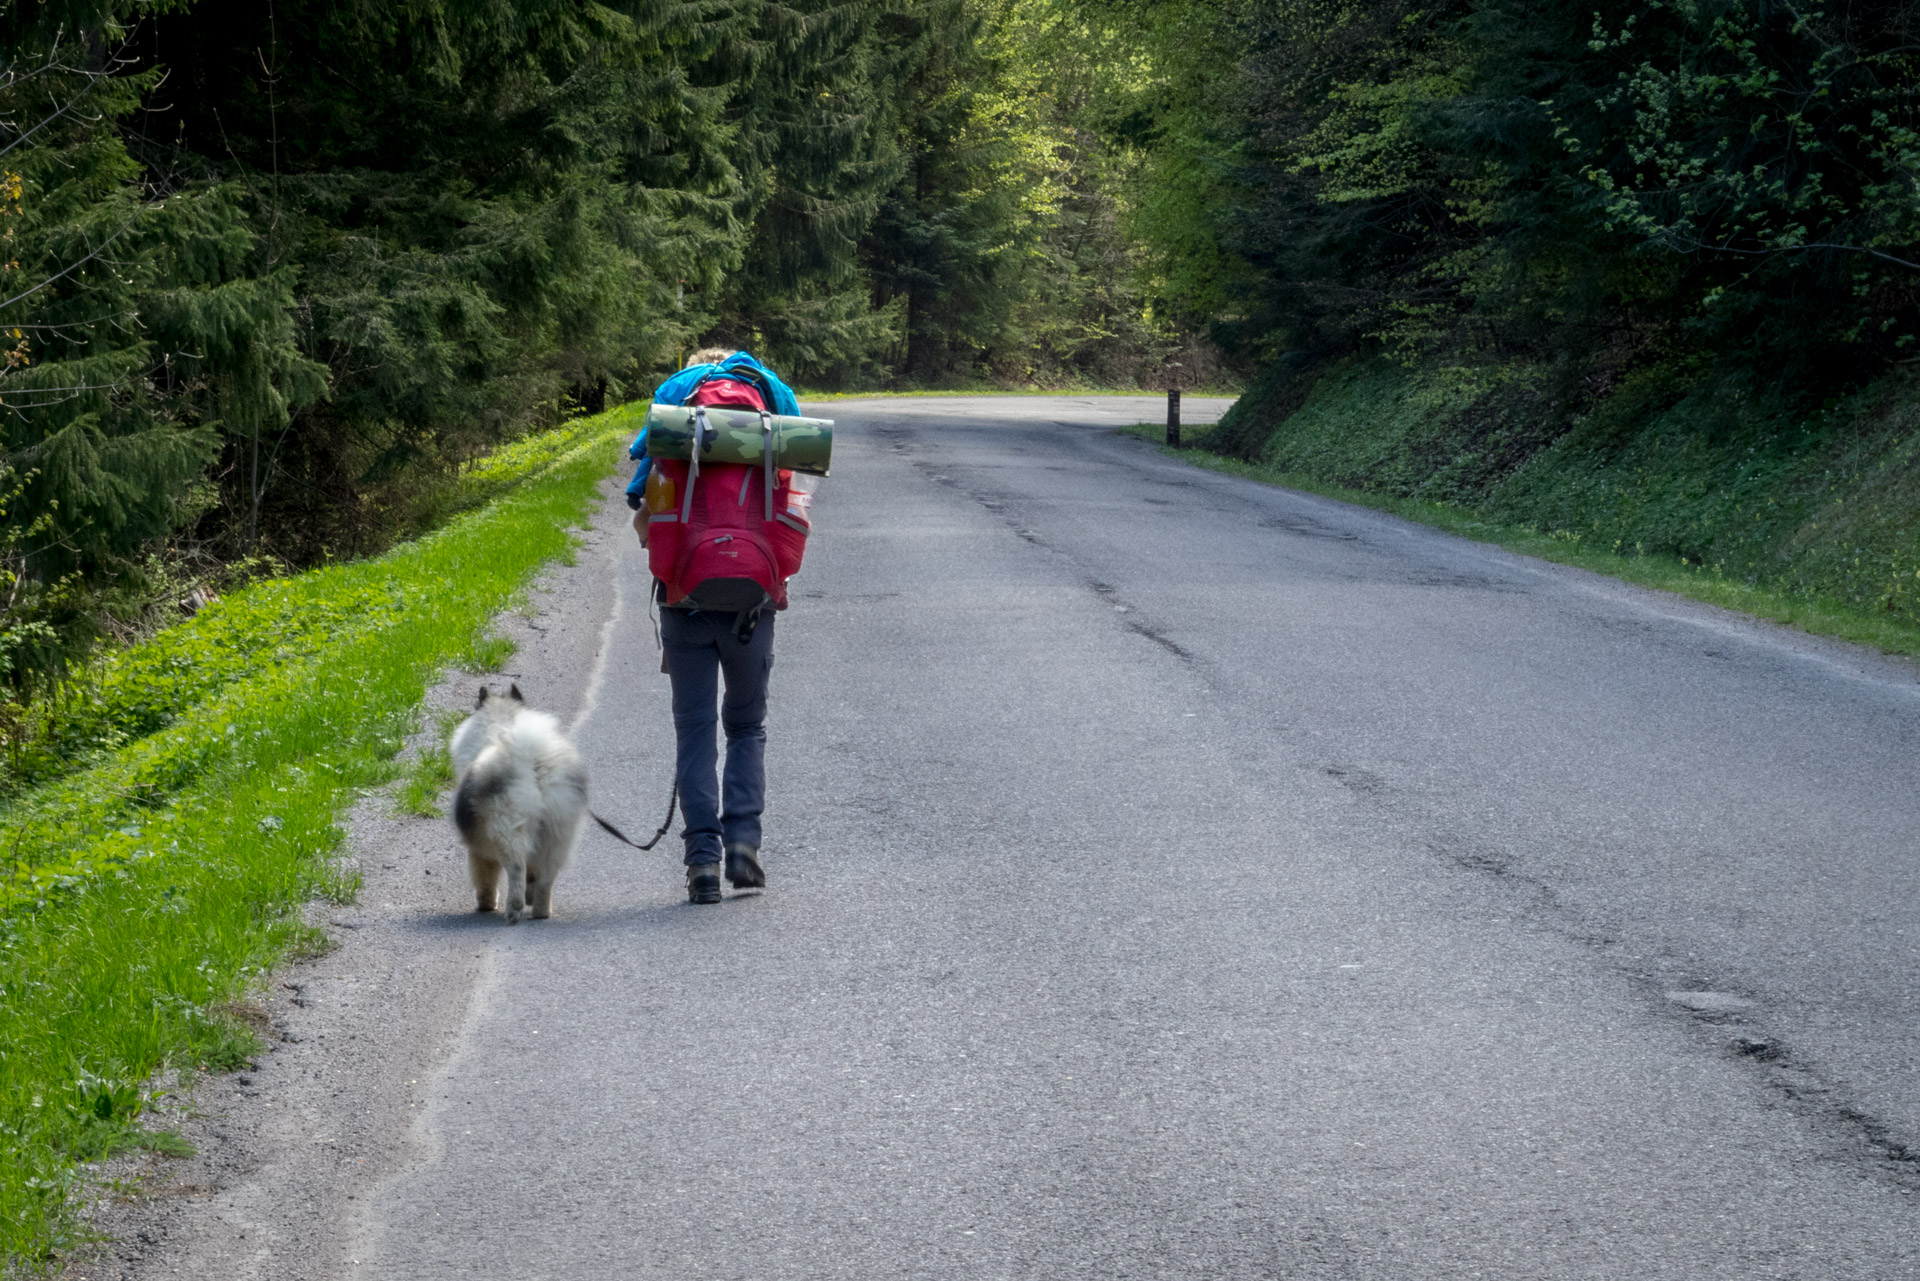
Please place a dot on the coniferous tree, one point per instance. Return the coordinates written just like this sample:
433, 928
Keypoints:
287, 266
487, 208
137, 332
818, 124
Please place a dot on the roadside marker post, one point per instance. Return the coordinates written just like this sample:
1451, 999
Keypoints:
1173, 417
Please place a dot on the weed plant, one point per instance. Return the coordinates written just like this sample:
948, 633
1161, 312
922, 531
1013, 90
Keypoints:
142, 894
431, 770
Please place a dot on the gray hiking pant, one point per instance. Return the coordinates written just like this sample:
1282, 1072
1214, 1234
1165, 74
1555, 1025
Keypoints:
699, 648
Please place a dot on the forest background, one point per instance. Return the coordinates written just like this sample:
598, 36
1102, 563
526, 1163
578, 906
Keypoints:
287, 283
276, 272
1639, 273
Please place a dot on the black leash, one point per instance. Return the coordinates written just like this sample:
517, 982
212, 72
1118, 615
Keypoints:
673, 802
673, 797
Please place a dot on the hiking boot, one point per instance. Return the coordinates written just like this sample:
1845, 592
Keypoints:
703, 883
743, 868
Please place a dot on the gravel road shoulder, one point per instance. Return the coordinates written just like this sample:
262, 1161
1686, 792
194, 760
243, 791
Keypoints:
285, 1147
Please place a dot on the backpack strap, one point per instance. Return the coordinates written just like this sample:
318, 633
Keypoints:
700, 430
766, 451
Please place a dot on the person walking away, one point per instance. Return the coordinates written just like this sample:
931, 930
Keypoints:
720, 563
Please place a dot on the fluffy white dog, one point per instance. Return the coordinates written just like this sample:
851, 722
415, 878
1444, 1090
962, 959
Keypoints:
521, 794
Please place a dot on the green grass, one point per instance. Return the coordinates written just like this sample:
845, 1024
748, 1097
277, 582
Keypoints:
431, 771
159, 1142
131, 694
145, 893
1812, 613
1809, 505
488, 654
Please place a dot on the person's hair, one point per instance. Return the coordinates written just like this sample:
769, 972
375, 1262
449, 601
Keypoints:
709, 356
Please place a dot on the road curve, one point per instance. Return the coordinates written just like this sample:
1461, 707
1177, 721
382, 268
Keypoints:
1177, 877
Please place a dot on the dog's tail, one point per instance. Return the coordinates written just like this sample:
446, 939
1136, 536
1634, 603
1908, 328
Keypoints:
673, 803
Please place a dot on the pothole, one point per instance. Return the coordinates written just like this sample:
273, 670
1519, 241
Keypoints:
1753, 1047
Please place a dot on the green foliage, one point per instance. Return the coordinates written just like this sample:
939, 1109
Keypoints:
131, 694
818, 126
1642, 272
488, 210
1769, 153
1172, 92
275, 274
1003, 249
136, 333
931, 200
488, 654
430, 772
1722, 180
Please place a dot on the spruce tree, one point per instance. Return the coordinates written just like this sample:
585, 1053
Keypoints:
138, 332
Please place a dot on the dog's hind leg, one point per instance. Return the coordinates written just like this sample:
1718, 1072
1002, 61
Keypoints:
539, 891
486, 880
516, 891
553, 841
549, 857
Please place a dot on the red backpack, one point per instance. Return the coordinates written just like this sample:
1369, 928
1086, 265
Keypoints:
725, 536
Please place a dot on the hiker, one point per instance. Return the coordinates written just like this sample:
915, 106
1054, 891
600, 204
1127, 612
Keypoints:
720, 562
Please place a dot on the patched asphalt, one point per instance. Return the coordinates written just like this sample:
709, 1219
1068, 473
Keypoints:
1172, 876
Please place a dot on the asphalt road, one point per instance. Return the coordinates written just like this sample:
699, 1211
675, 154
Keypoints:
1175, 877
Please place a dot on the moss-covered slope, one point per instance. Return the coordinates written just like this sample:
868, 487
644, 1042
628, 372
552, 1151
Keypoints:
1823, 503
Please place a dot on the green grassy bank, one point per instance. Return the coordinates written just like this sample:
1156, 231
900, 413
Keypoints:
166, 869
1712, 491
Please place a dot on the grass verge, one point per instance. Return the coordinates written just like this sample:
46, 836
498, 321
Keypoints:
133, 693
142, 896
1670, 573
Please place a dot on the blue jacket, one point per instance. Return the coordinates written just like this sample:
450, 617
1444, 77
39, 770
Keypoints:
675, 390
